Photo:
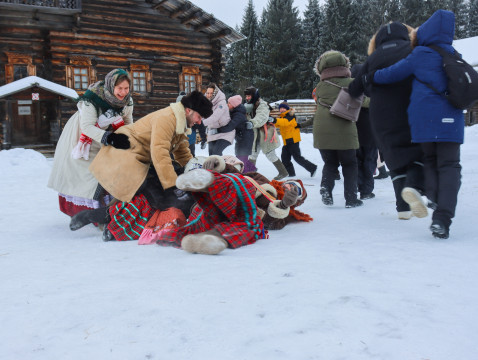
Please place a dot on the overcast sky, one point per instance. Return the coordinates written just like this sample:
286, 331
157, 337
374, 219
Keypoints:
231, 12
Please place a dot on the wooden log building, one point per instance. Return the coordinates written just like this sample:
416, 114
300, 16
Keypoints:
167, 46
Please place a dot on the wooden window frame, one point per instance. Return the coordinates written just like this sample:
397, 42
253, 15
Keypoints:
18, 59
79, 63
186, 71
141, 68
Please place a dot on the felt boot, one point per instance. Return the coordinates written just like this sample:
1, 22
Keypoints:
208, 243
281, 169
414, 199
195, 180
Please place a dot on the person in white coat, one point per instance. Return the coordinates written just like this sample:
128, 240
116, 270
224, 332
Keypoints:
220, 117
105, 106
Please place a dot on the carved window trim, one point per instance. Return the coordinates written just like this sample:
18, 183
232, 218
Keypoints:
190, 79
74, 68
142, 78
18, 59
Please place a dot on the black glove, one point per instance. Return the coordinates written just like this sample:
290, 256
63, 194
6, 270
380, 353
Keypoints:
119, 141
290, 198
367, 79
174, 197
272, 120
203, 145
297, 126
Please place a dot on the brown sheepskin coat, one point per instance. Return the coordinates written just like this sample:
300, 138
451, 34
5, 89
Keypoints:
152, 138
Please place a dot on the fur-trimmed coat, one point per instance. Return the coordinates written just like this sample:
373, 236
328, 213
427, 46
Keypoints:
389, 103
153, 138
273, 216
332, 132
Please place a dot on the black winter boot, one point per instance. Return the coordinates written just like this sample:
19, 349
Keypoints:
439, 230
327, 198
382, 173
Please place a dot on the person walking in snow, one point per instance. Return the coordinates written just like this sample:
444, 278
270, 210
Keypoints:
290, 132
336, 138
106, 106
435, 124
265, 135
388, 113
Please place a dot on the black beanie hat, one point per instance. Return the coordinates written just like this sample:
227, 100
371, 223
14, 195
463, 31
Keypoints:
198, 102
251, 90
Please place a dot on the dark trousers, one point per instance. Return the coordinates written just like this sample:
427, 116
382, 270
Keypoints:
292, 150
348, 160
412, 176
216, 147
442, 177
366, 163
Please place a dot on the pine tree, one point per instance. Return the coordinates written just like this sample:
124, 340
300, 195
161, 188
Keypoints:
279, 50
310, 48
460, 8
472, 18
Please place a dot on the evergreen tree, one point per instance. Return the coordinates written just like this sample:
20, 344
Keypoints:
339, 28
310, 48
460, 8
279, 51
472, 18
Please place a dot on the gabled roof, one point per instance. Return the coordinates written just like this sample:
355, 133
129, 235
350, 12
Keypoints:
468, 48
32, 81
189, 14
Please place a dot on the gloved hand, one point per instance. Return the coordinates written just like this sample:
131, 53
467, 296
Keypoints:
367, 79
211, 163
297, 126
203, 144
290, 198
272, 120
119, 141
249, 125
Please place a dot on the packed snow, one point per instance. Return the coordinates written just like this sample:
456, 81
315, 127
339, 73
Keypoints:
353, 284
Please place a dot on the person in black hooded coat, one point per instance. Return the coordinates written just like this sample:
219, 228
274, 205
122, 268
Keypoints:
388, 112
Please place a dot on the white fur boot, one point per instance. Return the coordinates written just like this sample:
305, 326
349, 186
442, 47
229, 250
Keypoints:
195, 180
414, 199
208, 243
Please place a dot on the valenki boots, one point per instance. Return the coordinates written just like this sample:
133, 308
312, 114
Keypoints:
195, 180
85, 217
208, 243
282, 170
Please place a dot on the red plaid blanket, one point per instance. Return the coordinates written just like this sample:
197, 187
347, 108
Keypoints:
228, 207
129, 219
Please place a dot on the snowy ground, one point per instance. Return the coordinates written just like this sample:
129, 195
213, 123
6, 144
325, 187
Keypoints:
353, 284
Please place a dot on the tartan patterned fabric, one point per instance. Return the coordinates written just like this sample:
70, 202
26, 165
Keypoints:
228, 207
129, 219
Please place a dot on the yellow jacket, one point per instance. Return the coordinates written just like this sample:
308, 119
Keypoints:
287, 125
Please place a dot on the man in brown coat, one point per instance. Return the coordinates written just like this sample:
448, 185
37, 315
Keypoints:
153, 140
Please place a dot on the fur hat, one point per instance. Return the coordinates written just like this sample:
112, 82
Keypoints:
284, 105
235, 100
251, 90
198, 102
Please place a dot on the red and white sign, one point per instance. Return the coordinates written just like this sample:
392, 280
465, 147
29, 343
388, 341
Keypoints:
35, 96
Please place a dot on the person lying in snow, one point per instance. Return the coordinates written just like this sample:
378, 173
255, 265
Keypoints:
276, 200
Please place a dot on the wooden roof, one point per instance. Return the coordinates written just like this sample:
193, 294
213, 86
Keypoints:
189, 14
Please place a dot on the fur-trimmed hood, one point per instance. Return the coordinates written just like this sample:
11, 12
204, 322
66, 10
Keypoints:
331, 59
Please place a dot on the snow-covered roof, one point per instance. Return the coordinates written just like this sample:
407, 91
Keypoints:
293, 101
31, 81
468, 48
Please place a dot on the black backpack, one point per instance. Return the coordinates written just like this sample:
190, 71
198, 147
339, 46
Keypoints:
462, 89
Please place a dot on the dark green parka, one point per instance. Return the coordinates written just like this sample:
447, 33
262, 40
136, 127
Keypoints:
332, 132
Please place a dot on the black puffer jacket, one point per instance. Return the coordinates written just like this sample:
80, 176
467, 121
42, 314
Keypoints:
389, 103
244, 136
